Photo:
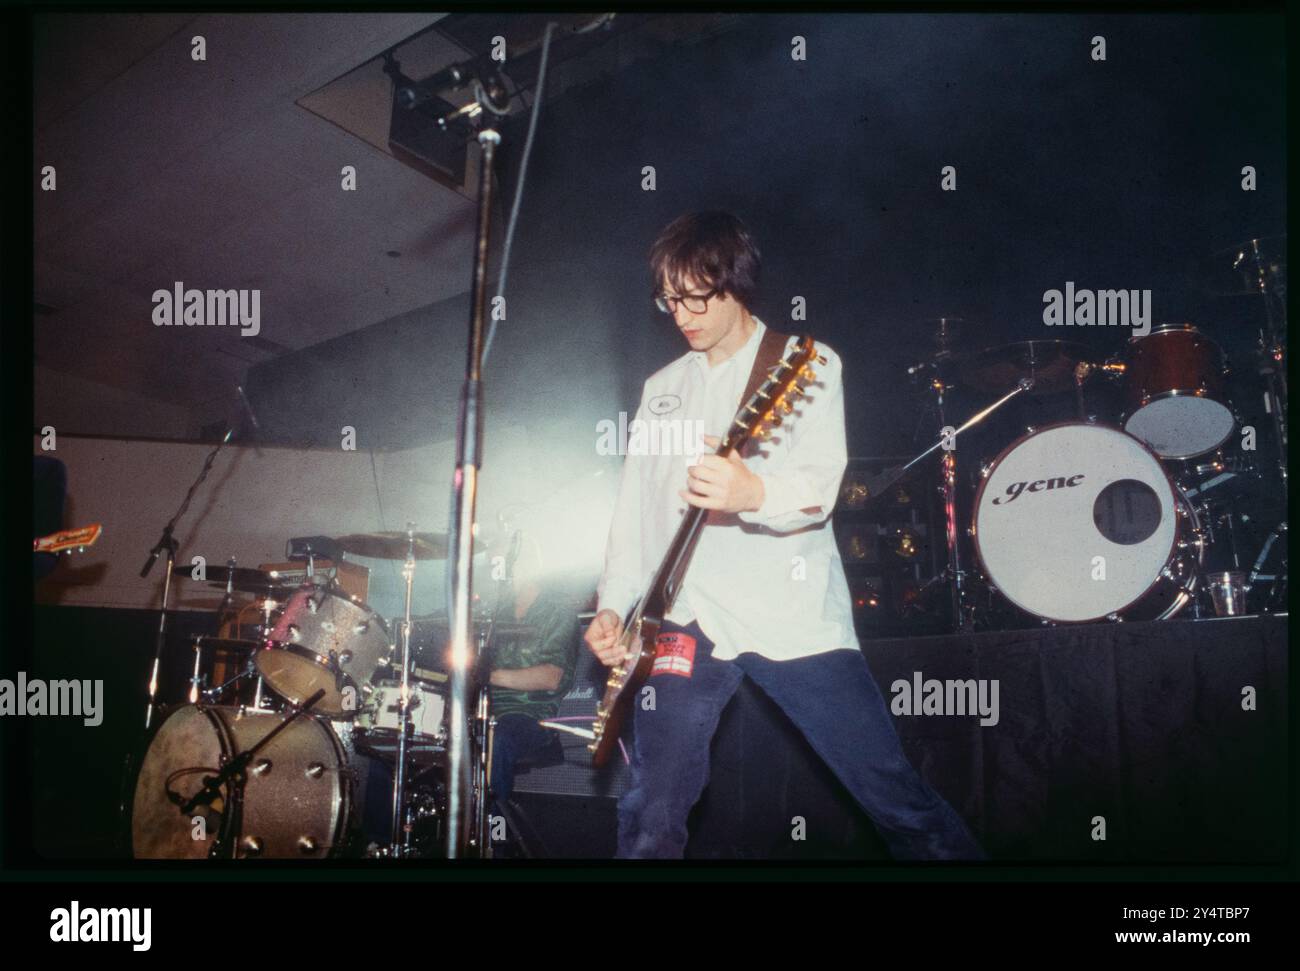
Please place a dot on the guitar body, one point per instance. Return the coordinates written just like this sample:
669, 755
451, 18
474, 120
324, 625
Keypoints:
625, 679
762, 410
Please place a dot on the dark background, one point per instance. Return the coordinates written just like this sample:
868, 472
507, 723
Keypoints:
1114, 174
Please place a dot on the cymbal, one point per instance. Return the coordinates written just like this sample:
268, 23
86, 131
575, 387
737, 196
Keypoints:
997, 369
394, 545
242, 578
1248, 268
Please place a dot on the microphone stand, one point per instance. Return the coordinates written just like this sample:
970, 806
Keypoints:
491, 104
494, 100
167, 543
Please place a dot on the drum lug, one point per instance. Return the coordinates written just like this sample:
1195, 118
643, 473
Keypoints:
1115, 618
315, 770
252, 845
307, 845
262, 767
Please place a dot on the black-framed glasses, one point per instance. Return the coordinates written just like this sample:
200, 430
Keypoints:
696, 303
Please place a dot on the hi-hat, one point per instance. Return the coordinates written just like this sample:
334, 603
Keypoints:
240, 578
1252, 267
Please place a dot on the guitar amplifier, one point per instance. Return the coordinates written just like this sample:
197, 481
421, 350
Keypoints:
576, 776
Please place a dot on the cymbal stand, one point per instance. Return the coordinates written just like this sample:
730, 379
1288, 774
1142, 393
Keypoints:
401, 839
1271, 347
953, 573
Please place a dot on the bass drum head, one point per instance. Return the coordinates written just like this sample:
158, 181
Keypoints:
188, 745
1075, 522
296, 800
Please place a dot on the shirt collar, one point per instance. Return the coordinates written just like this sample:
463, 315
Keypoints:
744, 356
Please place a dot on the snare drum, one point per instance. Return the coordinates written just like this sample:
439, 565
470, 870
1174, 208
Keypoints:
296, 801
1079, 522
1174, 392
325, 640
375, 730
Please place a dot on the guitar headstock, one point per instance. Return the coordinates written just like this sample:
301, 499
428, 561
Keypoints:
776, 396
68, 540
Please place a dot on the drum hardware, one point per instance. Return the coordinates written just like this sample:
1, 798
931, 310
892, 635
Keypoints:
953, 573
1257, 267
400, 844
1277, 581
167, 544
1048, 364
200, 681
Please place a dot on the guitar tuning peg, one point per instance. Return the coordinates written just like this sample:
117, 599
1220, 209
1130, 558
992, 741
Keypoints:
774, 421
799, 390
807, 373
786, 405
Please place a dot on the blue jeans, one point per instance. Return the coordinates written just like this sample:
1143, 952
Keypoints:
517, 736
832, 699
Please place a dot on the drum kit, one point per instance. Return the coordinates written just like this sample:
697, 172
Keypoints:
1173, 506
266, 754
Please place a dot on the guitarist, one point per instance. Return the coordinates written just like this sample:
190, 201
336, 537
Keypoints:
765, 594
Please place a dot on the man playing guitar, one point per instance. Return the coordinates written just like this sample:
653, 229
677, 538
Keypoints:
765, 593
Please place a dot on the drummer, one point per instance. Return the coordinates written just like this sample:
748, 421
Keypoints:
532, 671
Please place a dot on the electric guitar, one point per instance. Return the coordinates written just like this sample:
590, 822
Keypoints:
755, 419
67, 540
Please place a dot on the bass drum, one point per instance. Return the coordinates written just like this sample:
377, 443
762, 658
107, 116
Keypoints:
1078, 522
297, 797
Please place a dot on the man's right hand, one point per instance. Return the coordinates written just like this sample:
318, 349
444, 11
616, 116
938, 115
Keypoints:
602, 637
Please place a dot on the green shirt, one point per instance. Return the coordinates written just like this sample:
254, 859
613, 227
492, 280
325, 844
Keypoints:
555, 642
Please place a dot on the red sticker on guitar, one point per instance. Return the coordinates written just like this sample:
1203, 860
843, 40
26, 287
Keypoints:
674, 654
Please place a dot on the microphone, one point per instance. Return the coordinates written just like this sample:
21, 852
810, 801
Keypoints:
248, 407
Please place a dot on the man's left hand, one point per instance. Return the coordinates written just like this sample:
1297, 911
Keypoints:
725, 484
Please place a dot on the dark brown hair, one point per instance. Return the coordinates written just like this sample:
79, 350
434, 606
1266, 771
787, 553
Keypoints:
712, 248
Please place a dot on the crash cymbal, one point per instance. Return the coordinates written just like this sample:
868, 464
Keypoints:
1049, 363
394, 545
241, 578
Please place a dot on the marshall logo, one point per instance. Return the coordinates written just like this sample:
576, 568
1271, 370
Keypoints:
1039, 485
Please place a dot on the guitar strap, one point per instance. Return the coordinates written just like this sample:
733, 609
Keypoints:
770, 351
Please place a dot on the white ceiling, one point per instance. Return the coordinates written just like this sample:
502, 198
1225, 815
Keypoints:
210, 174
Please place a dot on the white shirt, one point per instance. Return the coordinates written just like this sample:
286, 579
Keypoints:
769, 581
